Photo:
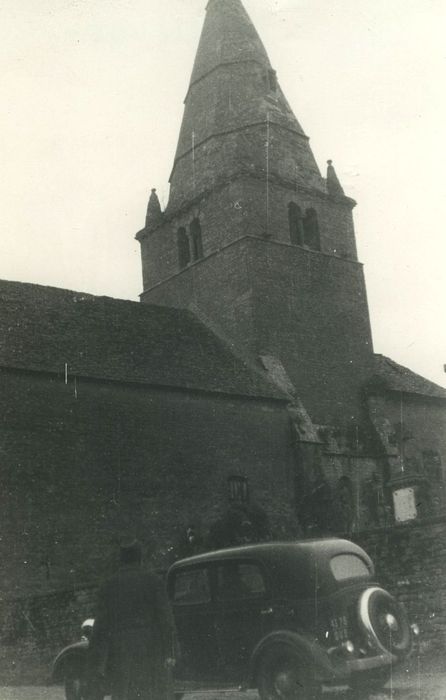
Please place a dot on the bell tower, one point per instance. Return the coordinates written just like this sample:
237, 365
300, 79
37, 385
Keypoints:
253, 239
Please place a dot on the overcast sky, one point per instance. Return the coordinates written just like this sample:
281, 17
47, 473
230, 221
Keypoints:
91, 105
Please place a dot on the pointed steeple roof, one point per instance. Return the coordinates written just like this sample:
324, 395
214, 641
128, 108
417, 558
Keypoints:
333, 185
228, 35
154, 214
234, 90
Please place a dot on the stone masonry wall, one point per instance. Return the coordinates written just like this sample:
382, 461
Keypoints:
307, 308
81, 469
311, 311
35, 629
416, 431
239, 207
410, 562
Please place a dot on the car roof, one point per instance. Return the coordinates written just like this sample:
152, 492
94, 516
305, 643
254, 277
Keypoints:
276, 551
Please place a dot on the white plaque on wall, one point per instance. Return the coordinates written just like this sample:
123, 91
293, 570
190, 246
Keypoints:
405, 505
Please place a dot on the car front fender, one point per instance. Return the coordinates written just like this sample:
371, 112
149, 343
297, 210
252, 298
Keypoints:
70, 661
309, 649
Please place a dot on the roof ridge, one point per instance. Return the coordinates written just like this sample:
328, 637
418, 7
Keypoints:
405, 373
120, 340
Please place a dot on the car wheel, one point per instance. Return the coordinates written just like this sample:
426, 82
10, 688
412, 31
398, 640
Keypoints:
284, 675
367, 683
384, 621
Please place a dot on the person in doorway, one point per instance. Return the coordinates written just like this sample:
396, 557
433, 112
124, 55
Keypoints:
133, 636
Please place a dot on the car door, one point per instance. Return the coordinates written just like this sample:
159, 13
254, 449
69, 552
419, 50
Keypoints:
190, 590
242, 615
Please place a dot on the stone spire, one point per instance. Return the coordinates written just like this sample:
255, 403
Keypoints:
233, 97
228, 35
254, 240
154, 214
333, 185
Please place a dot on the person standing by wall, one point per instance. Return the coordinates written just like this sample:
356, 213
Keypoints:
133, 636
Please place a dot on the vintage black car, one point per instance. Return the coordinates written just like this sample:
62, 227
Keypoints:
287, 618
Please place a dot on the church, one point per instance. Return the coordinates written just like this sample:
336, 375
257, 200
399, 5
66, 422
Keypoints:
240, 399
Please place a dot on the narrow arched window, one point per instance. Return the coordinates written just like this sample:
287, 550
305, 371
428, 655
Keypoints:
197, 244
295, 223
183, 247
311, 230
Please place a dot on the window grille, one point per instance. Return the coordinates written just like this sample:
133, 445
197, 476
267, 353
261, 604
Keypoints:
238, 489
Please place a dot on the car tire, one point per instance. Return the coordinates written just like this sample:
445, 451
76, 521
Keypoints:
284, 674
384, 621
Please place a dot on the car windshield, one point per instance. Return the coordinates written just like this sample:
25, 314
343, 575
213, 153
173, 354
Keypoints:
345, 566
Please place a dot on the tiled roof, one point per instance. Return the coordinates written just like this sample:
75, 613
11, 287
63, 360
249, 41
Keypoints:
44, 328
398, 378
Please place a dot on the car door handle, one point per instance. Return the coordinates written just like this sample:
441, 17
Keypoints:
266, 611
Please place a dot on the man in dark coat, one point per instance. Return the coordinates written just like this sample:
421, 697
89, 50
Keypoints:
133, 635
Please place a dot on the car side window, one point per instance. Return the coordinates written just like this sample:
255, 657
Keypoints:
239, 580
191, 586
